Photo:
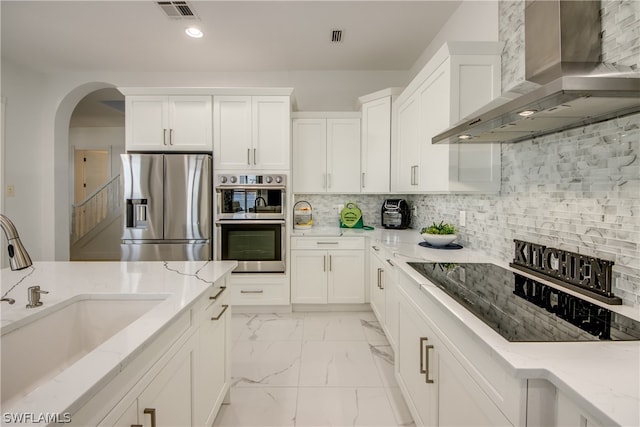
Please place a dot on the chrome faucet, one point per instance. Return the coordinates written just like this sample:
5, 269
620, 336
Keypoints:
34, 296
18, 256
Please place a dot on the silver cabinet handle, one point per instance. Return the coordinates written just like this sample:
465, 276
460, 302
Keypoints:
375, 248
362, 180
412, 176
379, 277
329, 262
327, 243
224, 308
249, 156
152, 412
424, 349
382, 279
222, 289
256, 291
390, 263
324, 181
324, 263
254, 156
170, 136
164, 136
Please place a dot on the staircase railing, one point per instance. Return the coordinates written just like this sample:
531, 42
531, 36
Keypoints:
87, 214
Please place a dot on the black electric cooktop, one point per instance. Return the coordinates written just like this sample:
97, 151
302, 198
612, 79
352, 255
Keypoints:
524, 310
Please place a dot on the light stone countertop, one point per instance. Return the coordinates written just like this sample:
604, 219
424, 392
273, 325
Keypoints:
603, 378
178, 284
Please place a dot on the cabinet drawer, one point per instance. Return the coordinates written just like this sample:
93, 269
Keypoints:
251, 294
327, 243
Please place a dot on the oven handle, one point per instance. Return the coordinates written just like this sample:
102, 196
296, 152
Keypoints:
251, 187
249, 221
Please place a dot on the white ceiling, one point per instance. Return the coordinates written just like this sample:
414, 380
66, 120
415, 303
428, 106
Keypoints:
239, 35
247, 36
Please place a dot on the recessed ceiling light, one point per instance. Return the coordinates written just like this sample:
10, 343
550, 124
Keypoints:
464, 137
194, 32
527, 113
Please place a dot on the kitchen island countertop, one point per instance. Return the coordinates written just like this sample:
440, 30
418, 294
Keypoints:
177, 284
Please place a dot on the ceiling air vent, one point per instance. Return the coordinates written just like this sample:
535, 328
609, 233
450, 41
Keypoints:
177, 9
336, 36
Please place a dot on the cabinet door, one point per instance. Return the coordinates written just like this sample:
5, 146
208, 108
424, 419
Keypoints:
190, 123
309, 277
391, 304
376, 146
120, 417
271, 134
456, 390
169, 393
434, 96
232, 132
309, 155
146, 122
211, 375
346, 277
376, 287
407, 165
343, 156
415, 365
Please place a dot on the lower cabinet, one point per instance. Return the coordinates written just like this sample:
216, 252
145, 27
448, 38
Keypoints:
320, 275
438, 389
382, 292
182, 385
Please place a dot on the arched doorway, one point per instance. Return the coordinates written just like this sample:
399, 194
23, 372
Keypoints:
96, 139
63, 160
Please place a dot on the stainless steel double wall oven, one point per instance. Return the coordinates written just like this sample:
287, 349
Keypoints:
250, 221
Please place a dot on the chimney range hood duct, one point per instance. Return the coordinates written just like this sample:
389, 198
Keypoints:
563, 54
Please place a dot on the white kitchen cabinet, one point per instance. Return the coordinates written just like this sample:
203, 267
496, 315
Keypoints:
320, 275
181, 377
326, 153
375, 166
212, 365
168, 123
568, 414
252, 132
438, 389
382, 291
166, 400
460, 78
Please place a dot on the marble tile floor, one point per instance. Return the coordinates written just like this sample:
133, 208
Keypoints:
312, 369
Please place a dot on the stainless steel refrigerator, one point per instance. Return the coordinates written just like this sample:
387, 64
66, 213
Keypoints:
167, 199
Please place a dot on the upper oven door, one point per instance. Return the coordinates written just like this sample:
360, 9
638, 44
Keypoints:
250, 202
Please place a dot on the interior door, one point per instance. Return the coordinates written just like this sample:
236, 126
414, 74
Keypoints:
91, 172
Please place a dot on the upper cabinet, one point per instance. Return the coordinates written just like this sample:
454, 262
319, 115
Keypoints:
375, 150
460, 78
252, 132
166, 123
326, 153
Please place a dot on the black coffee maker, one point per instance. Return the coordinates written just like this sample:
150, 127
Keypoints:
396, 214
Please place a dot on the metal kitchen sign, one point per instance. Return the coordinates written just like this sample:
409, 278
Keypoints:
587, 275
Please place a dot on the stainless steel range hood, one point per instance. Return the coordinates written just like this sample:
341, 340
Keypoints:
562, 53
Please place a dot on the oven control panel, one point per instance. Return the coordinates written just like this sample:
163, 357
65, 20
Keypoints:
251, 179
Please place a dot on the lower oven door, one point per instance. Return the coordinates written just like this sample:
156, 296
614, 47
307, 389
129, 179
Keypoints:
258, 246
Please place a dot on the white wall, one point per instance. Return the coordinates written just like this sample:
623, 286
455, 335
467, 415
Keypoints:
99, 138
474, 20
25, 165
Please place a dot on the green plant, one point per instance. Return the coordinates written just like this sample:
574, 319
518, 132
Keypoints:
442, 228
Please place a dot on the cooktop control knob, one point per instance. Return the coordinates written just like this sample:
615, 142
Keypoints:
279, 179
223, 179
269, 179
233, 179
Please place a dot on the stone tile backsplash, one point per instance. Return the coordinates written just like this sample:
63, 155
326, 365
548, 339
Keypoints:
578, 190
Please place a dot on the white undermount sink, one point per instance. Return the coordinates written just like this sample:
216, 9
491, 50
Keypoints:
37, 351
